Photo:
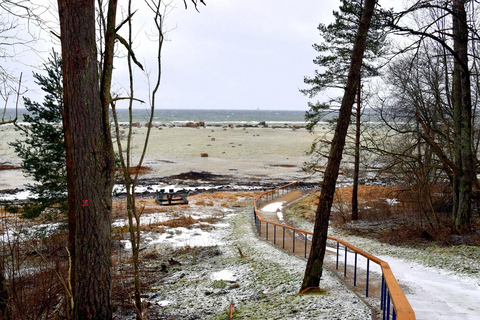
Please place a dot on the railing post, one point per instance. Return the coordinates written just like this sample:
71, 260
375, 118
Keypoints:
388, 305
368, 276
274, 234
260, 229
266, 231
306, 239
355, 272
382, 294
345, 265
283, 245
338, 248
293, 241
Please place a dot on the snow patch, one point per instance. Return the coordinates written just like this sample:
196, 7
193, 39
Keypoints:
273, 207
225, 275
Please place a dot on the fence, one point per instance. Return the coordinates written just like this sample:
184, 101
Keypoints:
393, 303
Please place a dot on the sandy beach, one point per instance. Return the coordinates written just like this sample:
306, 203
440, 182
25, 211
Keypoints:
253, 153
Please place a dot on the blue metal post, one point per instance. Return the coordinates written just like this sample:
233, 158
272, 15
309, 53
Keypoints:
382, 294
388, 305
368, 276
305, 246
293, 241
274, 234
355, 272
338, 248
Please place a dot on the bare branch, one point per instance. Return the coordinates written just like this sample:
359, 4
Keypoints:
130, 51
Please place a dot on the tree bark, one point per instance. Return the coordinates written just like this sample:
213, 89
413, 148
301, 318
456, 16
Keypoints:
462, 117
89, 161
356, 169
313, 271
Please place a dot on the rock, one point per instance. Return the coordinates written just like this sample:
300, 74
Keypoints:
136, 124
234, 286
164, 268
173, 262
204, 155
213, 139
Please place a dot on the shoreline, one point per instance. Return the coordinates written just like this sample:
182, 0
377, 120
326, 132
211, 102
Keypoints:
236, 155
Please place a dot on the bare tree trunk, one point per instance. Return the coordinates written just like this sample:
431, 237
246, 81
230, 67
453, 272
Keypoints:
313, 271
4, 298
462, 109
356, 169
130, 182
89, 161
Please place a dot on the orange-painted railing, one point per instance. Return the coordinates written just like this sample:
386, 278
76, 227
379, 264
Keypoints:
391, 293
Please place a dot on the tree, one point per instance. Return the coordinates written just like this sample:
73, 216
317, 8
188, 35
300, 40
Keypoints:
462, 116
43, 146
313, 270
130, 172
89, 150
335, 52
414, 144
455, 43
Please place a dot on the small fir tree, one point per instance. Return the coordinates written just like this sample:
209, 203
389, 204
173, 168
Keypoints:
43, 145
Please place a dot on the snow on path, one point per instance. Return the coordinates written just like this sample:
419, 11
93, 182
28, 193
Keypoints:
435, 295
275, 207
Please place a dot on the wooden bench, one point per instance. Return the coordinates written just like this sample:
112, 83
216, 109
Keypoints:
171, 197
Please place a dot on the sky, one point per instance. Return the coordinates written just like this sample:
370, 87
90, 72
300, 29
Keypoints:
247, 54
242, 54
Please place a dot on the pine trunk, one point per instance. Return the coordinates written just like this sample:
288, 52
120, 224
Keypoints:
89, 161
313, 271
356, 169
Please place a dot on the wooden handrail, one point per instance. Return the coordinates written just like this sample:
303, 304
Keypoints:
402, 306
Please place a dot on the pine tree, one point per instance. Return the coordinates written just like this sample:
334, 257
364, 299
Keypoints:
43, 146
334, 61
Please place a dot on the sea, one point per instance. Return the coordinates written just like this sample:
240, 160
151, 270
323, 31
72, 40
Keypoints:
210, 117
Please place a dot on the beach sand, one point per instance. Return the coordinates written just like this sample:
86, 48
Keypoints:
255, 153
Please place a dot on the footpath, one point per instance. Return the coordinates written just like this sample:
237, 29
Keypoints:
433, 293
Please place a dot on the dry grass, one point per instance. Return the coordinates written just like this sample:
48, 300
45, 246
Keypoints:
38, 266
399, 222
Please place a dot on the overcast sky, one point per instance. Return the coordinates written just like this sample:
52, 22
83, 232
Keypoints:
249, 54
242, 54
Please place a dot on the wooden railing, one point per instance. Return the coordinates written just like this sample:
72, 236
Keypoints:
391, 293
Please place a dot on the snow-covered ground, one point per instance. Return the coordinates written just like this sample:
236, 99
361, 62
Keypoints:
262, 285
438, 283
